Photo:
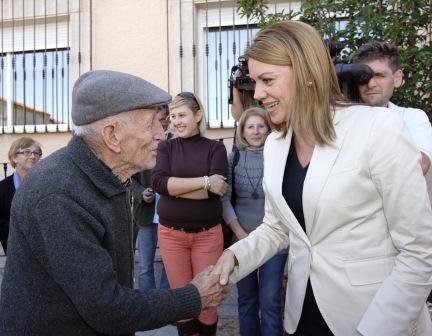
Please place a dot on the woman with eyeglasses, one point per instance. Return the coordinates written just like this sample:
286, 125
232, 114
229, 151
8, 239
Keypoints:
259, 293
190, 175
23, 154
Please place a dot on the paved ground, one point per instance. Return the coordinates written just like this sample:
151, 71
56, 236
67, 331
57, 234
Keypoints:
228, 321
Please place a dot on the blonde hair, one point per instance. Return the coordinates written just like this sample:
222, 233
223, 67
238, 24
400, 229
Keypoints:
191, 101
316, 89
21, 143
241, 142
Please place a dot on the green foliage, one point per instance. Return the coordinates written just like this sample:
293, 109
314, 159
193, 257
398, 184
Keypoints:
406, 23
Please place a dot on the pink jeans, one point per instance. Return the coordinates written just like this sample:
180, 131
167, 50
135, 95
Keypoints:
186, 254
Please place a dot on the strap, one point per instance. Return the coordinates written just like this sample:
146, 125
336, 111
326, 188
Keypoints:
236, 158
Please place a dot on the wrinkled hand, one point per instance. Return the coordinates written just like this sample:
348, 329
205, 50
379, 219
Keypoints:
148, 195
224, 267
218, 184
211, 291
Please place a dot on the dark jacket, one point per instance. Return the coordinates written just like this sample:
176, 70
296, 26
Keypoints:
70, 262
143, 212
7, 192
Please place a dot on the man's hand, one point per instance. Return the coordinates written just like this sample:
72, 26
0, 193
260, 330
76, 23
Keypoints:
224, 266
148, 195
218, 184
211, 291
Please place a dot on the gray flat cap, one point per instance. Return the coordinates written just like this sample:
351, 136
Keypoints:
102, 93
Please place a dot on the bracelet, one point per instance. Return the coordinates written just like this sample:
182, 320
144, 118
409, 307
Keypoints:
207, 184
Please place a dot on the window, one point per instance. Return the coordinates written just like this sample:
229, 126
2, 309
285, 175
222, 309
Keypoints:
42, 45
34, 75
222, 57
35, 88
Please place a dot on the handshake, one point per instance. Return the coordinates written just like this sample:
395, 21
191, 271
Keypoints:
212, 282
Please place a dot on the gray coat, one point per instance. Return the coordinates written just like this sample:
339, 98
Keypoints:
70, 262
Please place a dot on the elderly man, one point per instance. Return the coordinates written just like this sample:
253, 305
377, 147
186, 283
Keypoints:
70, 264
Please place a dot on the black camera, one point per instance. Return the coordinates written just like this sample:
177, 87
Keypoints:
349, 75
242, 82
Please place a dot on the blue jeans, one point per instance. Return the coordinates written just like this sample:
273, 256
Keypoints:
259, 293
146, 242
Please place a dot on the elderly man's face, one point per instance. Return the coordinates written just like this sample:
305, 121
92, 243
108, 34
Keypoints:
140, 140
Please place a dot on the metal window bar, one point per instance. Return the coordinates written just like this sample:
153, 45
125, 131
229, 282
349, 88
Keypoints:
44, 71
2, 100
23, 64
34, 66
68, 67
56, 110
193, 46
220, 61
181, 47
13, 68
207, 66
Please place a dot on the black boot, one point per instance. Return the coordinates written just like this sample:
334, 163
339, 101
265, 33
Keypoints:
188, 328
207, 330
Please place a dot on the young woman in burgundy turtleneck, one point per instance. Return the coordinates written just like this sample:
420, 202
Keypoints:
190, 176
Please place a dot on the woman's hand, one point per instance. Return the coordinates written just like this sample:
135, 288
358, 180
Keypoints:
218, 185
240, 234
237, 229
224, 266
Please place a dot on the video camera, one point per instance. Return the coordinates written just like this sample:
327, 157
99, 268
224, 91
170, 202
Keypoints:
242, 82
349, 76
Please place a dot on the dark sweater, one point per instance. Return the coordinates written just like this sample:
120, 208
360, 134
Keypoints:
70, 263
192, 157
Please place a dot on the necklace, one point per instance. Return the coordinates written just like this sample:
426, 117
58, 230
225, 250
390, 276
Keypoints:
254, 193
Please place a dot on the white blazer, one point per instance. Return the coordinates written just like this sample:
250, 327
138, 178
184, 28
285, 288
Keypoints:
368, 247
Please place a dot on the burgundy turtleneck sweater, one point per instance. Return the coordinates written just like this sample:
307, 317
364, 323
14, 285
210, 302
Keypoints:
190, 157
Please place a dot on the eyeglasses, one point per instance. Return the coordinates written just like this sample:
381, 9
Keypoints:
188, 96
28, 153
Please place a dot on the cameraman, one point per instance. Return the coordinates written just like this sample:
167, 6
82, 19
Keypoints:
241, 89
384, 60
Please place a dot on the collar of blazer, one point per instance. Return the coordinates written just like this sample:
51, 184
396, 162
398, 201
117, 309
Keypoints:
322, 161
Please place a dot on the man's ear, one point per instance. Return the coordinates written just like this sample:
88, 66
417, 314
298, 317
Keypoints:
398, 78
110, 137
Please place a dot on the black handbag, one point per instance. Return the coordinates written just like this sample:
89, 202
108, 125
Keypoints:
227, 232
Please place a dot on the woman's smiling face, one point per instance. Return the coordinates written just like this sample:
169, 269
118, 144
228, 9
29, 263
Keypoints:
274, 88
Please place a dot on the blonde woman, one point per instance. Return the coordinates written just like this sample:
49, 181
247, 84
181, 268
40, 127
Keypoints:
344, 190
190, 177
259, 293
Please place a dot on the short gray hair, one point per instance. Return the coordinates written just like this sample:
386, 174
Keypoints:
91, 133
